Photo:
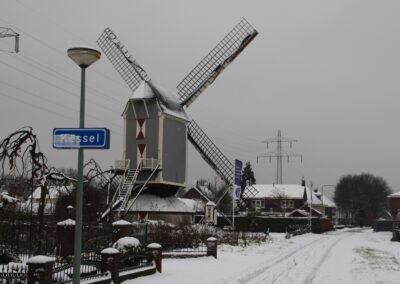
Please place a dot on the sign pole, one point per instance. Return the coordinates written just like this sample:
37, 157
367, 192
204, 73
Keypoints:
79, 190
83, 57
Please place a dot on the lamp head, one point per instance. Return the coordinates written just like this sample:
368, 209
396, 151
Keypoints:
83, 56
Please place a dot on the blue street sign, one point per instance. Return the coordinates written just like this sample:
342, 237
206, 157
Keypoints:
81, 138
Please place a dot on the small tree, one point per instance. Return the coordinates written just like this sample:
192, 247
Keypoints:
247, 176
278, 196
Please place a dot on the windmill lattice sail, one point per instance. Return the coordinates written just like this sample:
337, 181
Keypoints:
215, 62
210, 152
132, 73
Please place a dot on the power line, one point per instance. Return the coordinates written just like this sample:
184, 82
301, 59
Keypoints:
62, 53
35, 106
45, 109
53, 85
37, 96
64, 77
53, 72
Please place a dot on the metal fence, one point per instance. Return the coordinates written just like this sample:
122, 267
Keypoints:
136, 260
184, 250
13, 273
63, 269
19, 237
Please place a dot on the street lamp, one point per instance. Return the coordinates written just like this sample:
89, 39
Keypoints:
83, 57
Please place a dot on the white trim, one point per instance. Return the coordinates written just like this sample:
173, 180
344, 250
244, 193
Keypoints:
133, 108
145, 107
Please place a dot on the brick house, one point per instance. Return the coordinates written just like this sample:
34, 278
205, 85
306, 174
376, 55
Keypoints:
394, 204
280, 199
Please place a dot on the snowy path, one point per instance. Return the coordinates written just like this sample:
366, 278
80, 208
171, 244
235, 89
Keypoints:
297, 266
346, 257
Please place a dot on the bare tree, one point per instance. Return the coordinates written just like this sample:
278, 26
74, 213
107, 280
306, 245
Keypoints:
280, 199
20, 156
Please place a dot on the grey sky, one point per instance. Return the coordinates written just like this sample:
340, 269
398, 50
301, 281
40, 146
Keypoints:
324, 72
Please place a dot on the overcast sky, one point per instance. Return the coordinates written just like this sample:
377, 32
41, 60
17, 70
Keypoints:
323, 72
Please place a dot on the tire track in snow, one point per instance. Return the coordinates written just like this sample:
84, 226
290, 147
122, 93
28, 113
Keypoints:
277, 260
291, 266
322, 259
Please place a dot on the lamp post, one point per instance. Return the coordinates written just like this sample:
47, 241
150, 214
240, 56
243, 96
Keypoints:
83, 57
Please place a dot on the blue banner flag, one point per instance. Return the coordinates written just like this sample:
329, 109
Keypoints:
238, 179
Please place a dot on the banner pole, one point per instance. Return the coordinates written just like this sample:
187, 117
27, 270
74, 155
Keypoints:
236, 188
233, 208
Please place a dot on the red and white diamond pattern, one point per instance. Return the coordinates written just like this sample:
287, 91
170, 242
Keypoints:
140, 135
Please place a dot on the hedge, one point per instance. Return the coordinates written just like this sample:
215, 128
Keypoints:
275, 224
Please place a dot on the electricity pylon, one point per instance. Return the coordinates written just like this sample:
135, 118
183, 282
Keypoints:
7, 32
279, 154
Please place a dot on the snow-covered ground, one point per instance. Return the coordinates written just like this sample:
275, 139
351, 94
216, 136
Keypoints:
347, 256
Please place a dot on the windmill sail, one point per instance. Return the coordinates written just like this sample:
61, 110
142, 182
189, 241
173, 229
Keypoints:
215, 62
132, 73
210, 152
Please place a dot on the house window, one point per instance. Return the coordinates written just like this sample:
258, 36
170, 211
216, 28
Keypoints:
257, 203
287, 204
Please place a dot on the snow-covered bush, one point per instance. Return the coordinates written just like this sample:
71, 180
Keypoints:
127, 245
130, 249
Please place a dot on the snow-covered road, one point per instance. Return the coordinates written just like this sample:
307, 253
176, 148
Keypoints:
352, 256
298, 265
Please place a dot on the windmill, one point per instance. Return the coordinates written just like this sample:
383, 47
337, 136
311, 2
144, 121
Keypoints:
156, 124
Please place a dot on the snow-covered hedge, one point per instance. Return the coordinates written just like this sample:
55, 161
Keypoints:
127, 244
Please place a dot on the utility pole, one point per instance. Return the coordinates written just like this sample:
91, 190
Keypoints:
279, 154
7, 32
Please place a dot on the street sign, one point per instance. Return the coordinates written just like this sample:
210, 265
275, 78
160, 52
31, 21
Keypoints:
81, 138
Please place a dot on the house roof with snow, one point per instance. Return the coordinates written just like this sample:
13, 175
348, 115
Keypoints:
394, 195
290, 191
32, 203
199, 192
172, 204
304, 213
327, 202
